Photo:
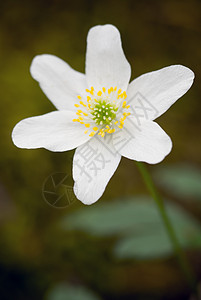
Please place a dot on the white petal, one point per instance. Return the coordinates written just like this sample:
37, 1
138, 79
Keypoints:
148, 142
151, 94
54, 131
93, 165
106, 64
58, 80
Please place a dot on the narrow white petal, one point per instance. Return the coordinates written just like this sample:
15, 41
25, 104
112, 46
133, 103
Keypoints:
58, 80
93, 165
151, 94
54, 131
106, 64
148, 142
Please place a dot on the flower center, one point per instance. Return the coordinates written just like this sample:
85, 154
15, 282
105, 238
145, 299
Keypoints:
105, 109
103, 112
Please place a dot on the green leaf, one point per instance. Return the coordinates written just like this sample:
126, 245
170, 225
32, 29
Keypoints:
180, 180
64, 291
139, 224
144, 246
109, 218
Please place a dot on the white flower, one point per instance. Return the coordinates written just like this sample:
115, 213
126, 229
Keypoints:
100, 113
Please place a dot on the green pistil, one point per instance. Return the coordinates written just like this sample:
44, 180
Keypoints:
104, 112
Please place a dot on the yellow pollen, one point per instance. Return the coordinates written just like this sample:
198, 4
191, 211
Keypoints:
82, 103
105, 115
92, 133
124, 104
125, 96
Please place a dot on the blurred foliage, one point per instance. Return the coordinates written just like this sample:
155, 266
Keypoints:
35, 253
138, 225
64, 291
182, 180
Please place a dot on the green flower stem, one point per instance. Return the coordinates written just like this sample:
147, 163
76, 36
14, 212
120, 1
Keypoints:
182, 259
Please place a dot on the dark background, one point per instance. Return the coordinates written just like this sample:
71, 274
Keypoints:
35, 253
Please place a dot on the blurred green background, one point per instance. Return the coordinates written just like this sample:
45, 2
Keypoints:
117, 248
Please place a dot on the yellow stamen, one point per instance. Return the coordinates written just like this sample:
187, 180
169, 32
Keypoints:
115, 122
95, 128
88, 98
124, 94
85, 114
87, 125
86, 131
79, 97
76, 105
92, 133
99, 93
104, 90
124, 104
119, 91
82, 103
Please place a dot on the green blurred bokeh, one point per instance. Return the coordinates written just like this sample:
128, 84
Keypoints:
36, 254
